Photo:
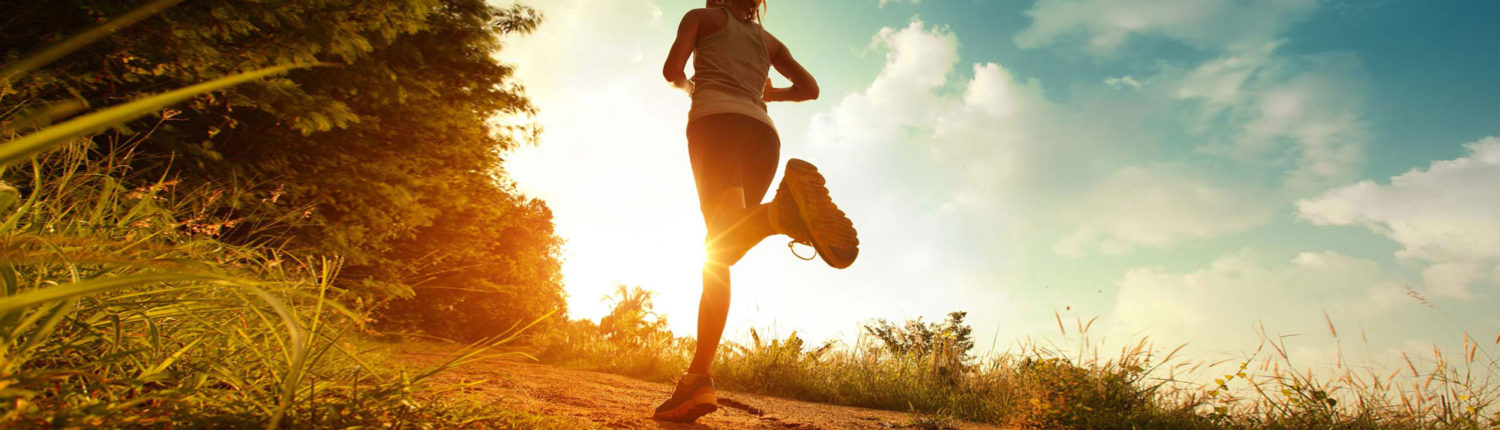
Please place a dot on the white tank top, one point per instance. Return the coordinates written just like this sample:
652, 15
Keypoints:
729, 72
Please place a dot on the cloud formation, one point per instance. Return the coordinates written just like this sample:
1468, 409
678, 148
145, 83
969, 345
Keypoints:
1158, 206
1009, 162
1445, 216
1300, 114
917, 62
1221, 306
1103, 26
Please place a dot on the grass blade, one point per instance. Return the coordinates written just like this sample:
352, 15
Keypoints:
96, 286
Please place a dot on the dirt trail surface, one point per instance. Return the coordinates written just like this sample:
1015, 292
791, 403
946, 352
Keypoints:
602, 400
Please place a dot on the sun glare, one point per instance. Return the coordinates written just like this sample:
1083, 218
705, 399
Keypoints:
615, 172
661, 259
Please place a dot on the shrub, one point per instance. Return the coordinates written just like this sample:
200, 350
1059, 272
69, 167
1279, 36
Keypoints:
120, 308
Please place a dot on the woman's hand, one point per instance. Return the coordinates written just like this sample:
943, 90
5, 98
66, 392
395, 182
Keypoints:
773, 94
684, 84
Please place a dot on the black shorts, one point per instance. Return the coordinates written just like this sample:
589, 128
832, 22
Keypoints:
732, 150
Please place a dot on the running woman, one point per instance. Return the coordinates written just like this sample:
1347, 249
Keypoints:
734, 150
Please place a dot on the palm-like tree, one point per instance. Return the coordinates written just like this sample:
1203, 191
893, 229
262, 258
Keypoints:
631, 317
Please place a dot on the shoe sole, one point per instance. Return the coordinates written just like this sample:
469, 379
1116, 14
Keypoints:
691, 410
826, 227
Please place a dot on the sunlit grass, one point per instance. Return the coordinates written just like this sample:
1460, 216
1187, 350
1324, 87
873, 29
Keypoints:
121, 308
1072, 384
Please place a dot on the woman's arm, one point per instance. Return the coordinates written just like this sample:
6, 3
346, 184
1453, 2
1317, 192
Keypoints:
682, 48
803, 88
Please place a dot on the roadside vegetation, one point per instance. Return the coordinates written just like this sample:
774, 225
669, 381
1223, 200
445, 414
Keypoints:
210, 210
375, 143
163, 265
930, 368
121, 308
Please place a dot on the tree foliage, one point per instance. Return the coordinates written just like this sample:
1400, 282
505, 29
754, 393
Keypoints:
631, 319
948, 343
921, 337
386, 155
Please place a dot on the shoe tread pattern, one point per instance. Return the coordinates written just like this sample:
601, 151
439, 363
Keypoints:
832, 233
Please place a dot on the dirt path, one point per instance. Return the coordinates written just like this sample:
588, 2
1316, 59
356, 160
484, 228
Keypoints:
602, 400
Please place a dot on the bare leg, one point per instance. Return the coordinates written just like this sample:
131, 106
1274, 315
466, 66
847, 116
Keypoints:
749, 228
713, 310
731, 235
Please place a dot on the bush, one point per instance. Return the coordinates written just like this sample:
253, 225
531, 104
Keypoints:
948, 343
383, 157
631, 340
121, 308
925, 368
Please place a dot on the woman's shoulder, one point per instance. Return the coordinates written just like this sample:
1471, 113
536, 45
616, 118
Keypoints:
706, 12
707, 20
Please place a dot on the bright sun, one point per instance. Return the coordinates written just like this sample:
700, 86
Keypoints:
618, 180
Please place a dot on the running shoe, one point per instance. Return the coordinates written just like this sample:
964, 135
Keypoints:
803, 210
693, 398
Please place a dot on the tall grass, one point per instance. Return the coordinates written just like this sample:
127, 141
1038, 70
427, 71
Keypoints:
1074, 385
581, 344
121, 308
1270, 390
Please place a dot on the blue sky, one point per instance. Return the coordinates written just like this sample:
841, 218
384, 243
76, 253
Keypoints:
1185, 170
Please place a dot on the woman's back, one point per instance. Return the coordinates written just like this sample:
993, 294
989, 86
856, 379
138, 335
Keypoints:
730, 70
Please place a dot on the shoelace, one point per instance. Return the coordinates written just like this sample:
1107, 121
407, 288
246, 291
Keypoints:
794, 249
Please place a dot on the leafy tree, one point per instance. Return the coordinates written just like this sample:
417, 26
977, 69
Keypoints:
947, 344
385, 156
479, 269
631, 320
920, 337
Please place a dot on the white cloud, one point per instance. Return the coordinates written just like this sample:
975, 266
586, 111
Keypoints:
1221, 83
1319, 110
1217, 309
965, 153
1299, 114
1447, 215
1008, 161
917, 62
990, 139
1121, 82
1105, 25
1302, 114
1158, 206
